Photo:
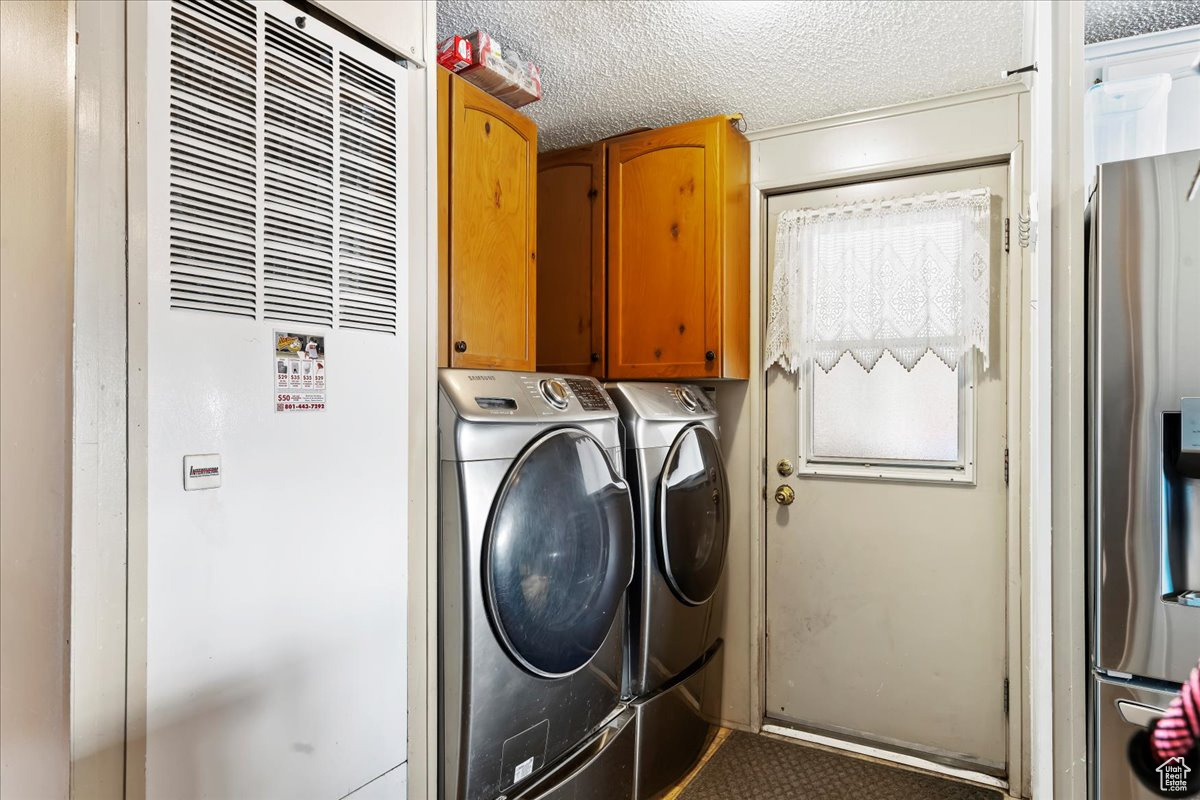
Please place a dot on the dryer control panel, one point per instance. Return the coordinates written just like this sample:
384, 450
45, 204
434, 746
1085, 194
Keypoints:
667, 400
692, 399
533, 396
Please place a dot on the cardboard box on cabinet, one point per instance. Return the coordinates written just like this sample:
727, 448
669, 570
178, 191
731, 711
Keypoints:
502, 74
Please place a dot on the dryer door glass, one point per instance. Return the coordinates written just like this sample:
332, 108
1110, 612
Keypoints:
559, 553
693, 516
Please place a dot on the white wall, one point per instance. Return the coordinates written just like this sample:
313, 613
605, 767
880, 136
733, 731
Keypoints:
36, 144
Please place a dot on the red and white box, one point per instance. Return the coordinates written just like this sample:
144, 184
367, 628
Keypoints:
502, 74
454, 53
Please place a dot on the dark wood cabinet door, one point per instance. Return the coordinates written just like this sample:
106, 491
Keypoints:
664, 245
492, 232
570, 272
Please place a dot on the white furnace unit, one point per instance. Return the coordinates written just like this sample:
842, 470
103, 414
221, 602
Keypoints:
268, 400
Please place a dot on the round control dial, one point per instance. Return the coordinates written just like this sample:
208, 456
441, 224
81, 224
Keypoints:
688, 398
555, 392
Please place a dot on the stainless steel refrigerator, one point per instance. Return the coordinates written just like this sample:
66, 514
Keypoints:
1143, 452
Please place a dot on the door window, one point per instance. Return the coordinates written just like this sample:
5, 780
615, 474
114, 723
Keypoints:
559, 553
890, 422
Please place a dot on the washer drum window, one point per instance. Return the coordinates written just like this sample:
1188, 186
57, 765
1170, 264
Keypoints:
558, 554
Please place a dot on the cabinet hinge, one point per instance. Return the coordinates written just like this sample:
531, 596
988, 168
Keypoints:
1006, 696
592, 192
1006, 466
1006, 224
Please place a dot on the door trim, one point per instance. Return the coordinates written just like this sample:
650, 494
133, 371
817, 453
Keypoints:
969, 775
99, 463
1017, 600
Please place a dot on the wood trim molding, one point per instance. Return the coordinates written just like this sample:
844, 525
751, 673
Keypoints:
883, 112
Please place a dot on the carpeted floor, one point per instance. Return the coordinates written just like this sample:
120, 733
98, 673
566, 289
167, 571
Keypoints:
750, 767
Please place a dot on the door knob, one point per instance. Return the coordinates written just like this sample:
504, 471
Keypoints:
785, 495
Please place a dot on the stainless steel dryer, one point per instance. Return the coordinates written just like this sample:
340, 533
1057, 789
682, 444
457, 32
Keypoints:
673, 657
536, 529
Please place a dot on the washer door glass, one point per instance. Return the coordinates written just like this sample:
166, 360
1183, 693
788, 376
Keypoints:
559, 553
693, 516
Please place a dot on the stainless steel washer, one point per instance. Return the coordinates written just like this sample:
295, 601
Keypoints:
673, 658
536, 556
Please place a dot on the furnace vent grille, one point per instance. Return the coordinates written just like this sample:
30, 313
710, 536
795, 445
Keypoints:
283, 170
298, 177
213, 157
367, 193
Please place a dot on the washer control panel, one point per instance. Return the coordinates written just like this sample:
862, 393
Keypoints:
551, 395
554, 392
589, 394
478, 395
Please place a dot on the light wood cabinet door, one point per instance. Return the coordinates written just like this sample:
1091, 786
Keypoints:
678, 252
570, 273
492, 232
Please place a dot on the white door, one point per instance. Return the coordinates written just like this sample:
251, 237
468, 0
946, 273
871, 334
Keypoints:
886, 577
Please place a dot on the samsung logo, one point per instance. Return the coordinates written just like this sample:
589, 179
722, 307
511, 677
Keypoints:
481, 377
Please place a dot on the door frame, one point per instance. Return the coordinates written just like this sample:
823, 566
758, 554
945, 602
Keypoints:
860, 148
1011, 280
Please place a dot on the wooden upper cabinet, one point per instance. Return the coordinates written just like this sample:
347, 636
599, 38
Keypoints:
678, 252
570, 273
491, 237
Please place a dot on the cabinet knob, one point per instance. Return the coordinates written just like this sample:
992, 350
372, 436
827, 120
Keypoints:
595, 358
709, 355
460, 346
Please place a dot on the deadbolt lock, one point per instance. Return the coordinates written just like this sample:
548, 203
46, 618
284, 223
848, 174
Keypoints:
784, 467
785, 495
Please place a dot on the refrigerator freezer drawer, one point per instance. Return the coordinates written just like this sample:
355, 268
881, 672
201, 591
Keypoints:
1119, 711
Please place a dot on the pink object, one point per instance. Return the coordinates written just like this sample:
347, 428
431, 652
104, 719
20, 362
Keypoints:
1179, 729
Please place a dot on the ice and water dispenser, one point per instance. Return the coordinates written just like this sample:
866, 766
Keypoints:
1181, 503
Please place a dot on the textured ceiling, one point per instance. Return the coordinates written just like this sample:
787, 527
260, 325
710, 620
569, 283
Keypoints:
1116, 19
610, 65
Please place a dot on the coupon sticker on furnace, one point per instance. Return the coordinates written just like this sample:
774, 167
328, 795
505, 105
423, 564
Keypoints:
299, 368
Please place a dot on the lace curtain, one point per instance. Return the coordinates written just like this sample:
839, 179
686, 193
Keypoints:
904, 276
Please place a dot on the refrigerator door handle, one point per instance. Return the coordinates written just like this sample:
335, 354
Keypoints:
1139, 714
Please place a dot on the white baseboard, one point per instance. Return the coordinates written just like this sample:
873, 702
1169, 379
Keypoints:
887, 755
